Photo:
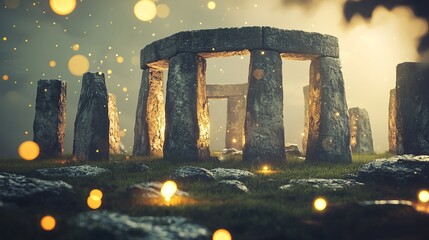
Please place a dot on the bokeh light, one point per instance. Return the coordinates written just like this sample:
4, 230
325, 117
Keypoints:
62, 7
76, 47
5, 39
145, 10
97, 193
423, 196
168, 189
258, 74
28, 150
94, 202
320, 204
211, 5
5, 77
78, 65
125, 89
12, 3
52, 64
162, 10
222, 234
109, 71
120, 59
48, 223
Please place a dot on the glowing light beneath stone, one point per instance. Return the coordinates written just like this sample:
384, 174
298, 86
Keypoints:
222, 234
93, 202
62, 7
48, 223
168, 189
320, 204
52, 64
423, 196
76, 47
211, 5
5, 77
97, 193
145, 10
78, 65
120, 59
12, 4
28, 150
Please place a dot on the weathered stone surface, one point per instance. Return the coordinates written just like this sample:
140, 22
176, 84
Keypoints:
151, 190
360, 131
407, 170
231, 154
412, 98
230, 173
72, 171
226, 91
236, 112
329, 133
322, 183
187, 122
392, 121
263, 129
190, 173
14, 186
50, 119
114, 138
91, 128
113, 225
292, 149
306, 117
234, 186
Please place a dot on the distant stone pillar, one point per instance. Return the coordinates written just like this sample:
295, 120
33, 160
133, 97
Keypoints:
187, 120
306, 116
50, 120
392, 122
263, 128
150, 115
328, 133
114, 138
412, 99
360, 131
91, 127
235, 122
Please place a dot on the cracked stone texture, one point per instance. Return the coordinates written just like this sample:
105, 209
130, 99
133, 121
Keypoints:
332, 184
305, 90
412, 98
14, 186
72, 171
329, 131
91, 127
263, 128
392, 121
220, 42
232, 186
360, 131
187, 121
50, 118
230, 173
151, 190
192, 173
114, 138
113, 225
398, 170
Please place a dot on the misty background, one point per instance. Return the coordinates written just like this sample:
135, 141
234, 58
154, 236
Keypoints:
371, 45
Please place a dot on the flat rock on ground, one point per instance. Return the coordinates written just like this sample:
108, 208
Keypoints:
232, 186
231, 154
193, 173
151, 190
72, 171
231, 173
397, 170
119, 226
333, 184
14, 186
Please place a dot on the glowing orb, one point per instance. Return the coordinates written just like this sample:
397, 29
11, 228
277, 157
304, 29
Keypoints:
211, 5
222, 234
109, 71
5, 77
162, 10
125, 89
5, 39
29, 150
62, 7
265, 168
145, 10
320, 204
97, 193
94, 202
168, 189
52, 64
12, 3
76, 47
78, 65
423, 196
258, 74
120, 59
48, 223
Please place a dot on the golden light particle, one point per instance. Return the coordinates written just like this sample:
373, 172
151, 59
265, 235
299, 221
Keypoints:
265, 168
78, 65
258, 74
423, 196
234, 140
222, 234
28, 150
26, 132
12, 4
125, 89
48, 223
76, 47
162, 10
5, 77
320, 204
97, 193
93, 202
145, 10
5, 39
120, 59
211, 5
52, 64
62, 7
109, 71
168, 189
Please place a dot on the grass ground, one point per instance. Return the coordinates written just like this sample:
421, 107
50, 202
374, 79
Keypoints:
265, 213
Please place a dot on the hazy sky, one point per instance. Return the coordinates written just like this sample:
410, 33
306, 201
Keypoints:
32, 35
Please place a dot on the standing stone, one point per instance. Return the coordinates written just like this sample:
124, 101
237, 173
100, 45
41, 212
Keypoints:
360, 131
234, 137
306, 116
50, 120
114, 137
328, 133
392, 121
91, 128
412, 98
187, 121
263, 129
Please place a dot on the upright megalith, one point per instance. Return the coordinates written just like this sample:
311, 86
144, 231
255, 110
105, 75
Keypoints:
50, 119
412, 116
263, 128
328, 133
114, 137
306, 116
187, 121
360, 131
392, 122
91, 127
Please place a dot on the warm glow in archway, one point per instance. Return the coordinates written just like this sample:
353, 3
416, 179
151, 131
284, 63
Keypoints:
62, 7
145, 10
